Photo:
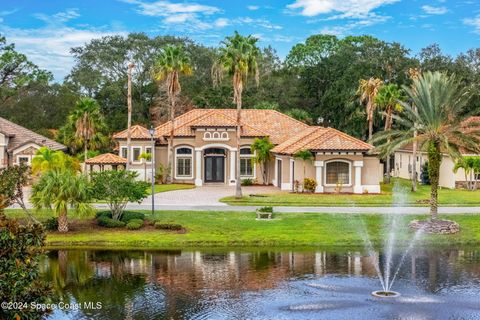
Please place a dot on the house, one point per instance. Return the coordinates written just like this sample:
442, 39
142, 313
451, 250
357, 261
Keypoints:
403, 165
19, 145
205, 150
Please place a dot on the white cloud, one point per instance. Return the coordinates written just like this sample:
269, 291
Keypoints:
346, 8
434, 10
474, 22
59, 17
221, 22
253, 8
166, 8
347, 28
264, 23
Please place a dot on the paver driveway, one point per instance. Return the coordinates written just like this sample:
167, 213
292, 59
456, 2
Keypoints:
204, 196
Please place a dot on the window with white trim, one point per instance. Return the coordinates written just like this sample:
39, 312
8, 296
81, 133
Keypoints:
184, 160
149, 151
123, 152
246, 162
337, 172
24, 160
136, 151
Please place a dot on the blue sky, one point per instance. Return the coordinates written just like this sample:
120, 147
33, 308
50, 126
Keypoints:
45, 30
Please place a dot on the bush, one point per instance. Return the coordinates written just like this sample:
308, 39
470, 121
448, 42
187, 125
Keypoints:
107, 214
309, 184
134, 224
424, 175
247, 182
168, 226
265, 209
51, 224
107, 222
127, 216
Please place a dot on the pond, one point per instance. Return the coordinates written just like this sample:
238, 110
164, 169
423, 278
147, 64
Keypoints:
266, 284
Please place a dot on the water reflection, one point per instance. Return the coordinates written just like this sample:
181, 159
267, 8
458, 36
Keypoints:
241, 285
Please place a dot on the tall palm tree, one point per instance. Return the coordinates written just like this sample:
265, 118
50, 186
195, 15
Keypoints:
388, 99
414, 73
439, 119
88, 123
171, 63
61, 190
239, 58
306, 156
130, 66
145, 156
368, 90
262, 148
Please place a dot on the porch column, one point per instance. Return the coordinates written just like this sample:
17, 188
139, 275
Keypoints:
198, 168
357, 188
233, 160
319, 176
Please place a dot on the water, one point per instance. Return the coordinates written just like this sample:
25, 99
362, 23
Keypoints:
435, 283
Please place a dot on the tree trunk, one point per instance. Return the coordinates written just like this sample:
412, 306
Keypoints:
129, 113
170, 142
388, 126
145, 170
370, 129
414, 154
63, 221
434, 161
238, 87
85, 157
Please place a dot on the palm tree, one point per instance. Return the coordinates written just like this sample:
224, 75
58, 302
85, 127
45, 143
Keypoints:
60, 190
306, 156
46, 159
130, 66
172, 62
439, 119
387, 99
368, 90
262, 148
414, 73
146, 157
238, 57
88, 123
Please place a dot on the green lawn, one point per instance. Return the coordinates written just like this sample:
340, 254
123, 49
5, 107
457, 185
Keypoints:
170, 187
220, 229
447, 197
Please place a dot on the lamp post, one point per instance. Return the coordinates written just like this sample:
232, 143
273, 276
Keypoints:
152, 156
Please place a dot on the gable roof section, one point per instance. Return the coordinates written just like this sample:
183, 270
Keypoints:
137, 132
20, 136
321, 139
255, 123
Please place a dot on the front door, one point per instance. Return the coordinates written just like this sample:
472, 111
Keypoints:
214, 165
279, 173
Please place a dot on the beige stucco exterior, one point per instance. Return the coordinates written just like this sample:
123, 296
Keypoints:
448, 178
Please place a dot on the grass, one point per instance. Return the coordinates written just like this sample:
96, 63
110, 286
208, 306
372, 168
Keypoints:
240, 229
447, 197
170, 187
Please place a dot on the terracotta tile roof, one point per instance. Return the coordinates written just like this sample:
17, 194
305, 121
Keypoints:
321, 139
107, 158
20, 136
274, 124
137, 132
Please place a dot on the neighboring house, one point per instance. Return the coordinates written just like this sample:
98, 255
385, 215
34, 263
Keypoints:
18, 144
205, 151
403, 165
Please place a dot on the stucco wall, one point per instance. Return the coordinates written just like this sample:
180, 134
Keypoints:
3, 151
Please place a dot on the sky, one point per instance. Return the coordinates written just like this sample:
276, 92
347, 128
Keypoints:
45, 30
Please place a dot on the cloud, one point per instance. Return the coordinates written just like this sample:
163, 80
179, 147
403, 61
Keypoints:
346, 8
434, 10
345, 29
59, 17
221, 22
253, 8
167, 8
474, 22
264, 23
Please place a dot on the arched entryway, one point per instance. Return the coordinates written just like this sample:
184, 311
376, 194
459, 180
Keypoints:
214, 164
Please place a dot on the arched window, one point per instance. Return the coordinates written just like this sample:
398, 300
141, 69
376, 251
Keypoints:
247, 169
224, 136
207, 135
338, 172
184, 161
216, 135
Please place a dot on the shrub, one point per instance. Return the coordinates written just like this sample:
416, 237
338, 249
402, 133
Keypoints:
134, 224
51, 224
309, 184
424, 175
107, 214
265, 209
127, 216
109, 222
168, 226
247, 182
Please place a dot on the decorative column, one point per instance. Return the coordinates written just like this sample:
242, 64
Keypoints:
233, 160
198, 168
357, 188
318, 176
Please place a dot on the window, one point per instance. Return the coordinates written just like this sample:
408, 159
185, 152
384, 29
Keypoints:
337, 172
136, 153
25, 160
184, 158
123, 153
149, 151
246, 162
